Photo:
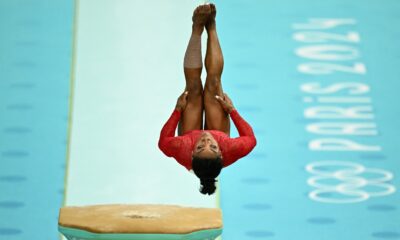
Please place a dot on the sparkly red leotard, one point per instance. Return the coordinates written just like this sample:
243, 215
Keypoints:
181, 147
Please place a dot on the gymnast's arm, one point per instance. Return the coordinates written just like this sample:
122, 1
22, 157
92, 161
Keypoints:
242, 126
168, 143
242, 145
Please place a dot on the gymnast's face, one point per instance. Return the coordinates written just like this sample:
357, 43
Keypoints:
206, 147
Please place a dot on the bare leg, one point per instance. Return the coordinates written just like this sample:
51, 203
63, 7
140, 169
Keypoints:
215, 116
192, 117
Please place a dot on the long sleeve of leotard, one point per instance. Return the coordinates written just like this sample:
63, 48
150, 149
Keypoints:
242, 145
175, 146
167, 142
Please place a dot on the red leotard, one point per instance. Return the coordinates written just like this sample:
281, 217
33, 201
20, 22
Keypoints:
181, 147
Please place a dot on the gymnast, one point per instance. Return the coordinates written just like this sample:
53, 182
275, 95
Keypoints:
205, 152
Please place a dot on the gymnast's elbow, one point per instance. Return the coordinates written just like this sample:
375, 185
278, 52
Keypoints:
162, 145
253, 141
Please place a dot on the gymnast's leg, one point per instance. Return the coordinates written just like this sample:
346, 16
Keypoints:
215, 116
192, 117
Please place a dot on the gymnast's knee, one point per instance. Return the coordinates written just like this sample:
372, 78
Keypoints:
195, 88
213, 84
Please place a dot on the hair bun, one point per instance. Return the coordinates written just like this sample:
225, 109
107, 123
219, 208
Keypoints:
208, 185
207, 181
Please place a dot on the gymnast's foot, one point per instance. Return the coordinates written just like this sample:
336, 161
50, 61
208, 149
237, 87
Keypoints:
200, 17
210, 25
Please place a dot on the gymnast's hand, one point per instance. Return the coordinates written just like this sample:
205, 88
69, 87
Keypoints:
182, 102
226, 103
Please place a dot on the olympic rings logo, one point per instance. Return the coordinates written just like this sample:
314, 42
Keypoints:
352, 182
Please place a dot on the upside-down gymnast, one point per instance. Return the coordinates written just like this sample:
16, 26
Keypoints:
206, 151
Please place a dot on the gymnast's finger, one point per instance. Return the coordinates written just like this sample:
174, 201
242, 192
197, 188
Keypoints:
183, 95
220, 99
227, 98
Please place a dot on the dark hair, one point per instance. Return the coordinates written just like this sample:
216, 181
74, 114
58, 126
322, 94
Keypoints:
207, 169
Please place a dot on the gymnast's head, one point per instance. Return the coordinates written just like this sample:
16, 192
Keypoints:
207, 162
